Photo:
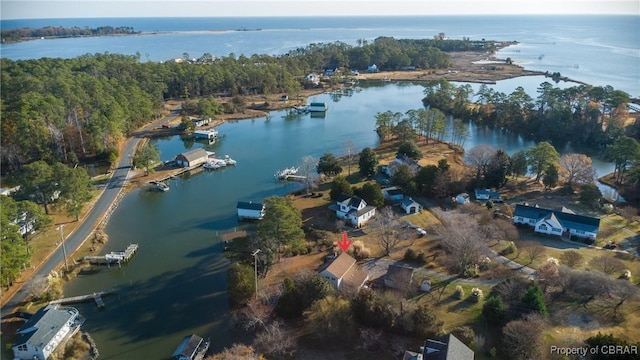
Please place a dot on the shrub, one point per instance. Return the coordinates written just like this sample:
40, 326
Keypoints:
553, 261
410, 255
485, 264
421, 258
476, 295
459, 293
626, 275
510, 249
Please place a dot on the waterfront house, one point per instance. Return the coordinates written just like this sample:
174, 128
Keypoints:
344, 273
446, 347
372, 68
47, 329
392, 194
313, 79
487, 194
192, 158
398, 277
410, 206
393, 166
330, 71
562, 222
249, 210
210, 134
353, 210
201, 122
25, 226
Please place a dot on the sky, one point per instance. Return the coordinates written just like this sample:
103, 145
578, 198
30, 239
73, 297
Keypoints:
33, 9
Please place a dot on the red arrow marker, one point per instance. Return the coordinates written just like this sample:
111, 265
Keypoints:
345, 243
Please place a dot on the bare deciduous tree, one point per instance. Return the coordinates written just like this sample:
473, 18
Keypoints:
577, 169
512, 289
308, 170
479, 157
462, 238
237, 352
607, 264
628, 213
350, 153
255, 315
533, 252
522, 339
275, 340
571, 258
385, 227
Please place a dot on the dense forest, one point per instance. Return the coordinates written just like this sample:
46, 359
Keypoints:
593, 116
14, 35
76, 109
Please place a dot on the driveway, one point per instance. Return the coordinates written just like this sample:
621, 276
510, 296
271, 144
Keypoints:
103, 206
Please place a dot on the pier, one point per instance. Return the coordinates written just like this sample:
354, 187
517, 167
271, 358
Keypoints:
114, 256
295, 178
96, 297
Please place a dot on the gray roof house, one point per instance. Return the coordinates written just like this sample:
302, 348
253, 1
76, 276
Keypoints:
446, 347
47, 329
192, 158
250, 210
487, 194
353, 210
557, 222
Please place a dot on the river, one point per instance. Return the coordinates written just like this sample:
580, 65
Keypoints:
175, 285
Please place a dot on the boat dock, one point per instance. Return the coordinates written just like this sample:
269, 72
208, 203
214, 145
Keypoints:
295, 178
114, 256
96, 297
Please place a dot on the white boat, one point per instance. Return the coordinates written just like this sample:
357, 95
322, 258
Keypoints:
282, 174
214, 163
162, 186
229, 161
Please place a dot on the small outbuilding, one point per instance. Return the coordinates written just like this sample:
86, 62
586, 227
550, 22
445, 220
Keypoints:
410, 206
462, 198
192, 158
392, 194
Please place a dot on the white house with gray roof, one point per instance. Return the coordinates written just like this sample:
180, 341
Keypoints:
47, 329
353, 210
563, 222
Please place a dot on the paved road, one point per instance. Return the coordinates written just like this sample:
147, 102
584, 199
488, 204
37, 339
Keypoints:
96, 214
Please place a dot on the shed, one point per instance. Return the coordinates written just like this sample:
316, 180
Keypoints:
462, 198
249, 210
410, 206
192, 158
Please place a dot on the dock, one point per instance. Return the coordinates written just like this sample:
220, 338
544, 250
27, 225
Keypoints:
114, 256
96, 297
295, 178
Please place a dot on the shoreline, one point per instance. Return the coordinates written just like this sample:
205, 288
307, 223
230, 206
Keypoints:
462, 69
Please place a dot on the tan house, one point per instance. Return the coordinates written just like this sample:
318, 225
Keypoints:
343, 273
192, 158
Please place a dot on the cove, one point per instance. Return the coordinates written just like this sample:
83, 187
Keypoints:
176, 283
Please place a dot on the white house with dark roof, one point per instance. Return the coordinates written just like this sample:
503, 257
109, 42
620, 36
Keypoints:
353, 210
487, 194
249, 210
561, 222
47, 329
343, 272
410, 206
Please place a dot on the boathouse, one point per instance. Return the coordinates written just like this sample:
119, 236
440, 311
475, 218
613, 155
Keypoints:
191, 347
318, 107
249, 210
47, 329
206, 134
192, 158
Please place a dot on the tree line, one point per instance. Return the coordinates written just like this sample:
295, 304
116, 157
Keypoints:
14, 35
591, 116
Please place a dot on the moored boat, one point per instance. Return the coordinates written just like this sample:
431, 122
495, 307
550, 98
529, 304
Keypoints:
192, 347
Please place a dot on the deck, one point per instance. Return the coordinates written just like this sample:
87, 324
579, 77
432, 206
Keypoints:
96, 297
114, 256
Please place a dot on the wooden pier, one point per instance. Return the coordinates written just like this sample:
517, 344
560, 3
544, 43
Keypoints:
295, 178
114, 256
96, 297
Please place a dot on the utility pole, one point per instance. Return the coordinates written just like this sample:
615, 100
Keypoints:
255, 267
64, 250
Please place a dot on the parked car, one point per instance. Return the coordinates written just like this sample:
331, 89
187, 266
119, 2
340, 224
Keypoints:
165, 126
421, 232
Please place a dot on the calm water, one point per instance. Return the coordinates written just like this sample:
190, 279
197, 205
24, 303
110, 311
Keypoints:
599, 50
176, 284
